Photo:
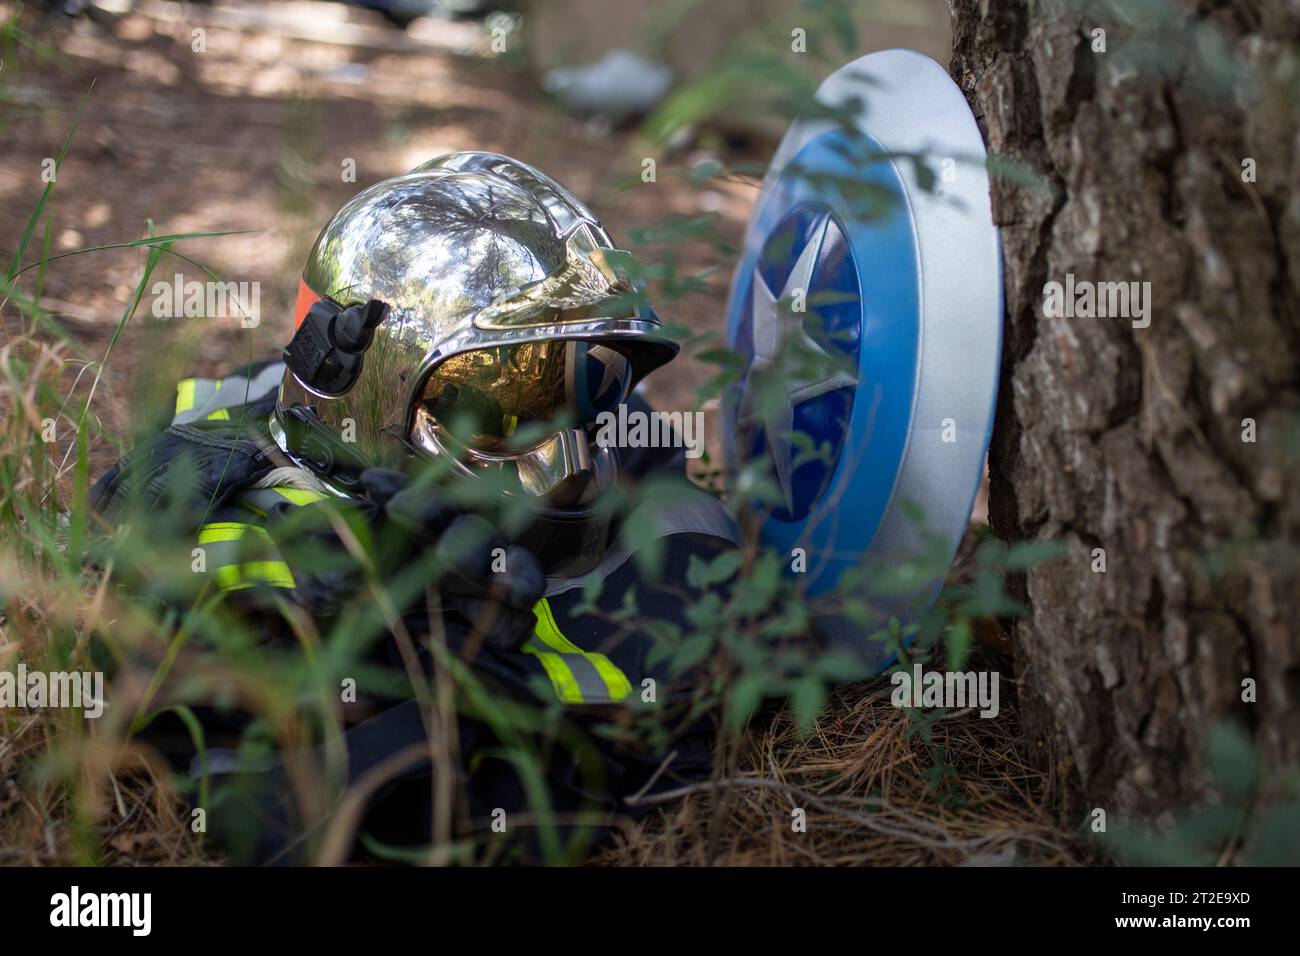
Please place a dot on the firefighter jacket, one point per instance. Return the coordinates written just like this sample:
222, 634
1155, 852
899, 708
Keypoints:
569, 652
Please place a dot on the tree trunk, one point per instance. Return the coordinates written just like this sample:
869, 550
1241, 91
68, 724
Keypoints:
1132, 440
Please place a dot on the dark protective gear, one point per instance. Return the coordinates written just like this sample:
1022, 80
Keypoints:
265, 544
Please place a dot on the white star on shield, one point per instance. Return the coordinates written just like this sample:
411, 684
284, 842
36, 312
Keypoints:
776, 326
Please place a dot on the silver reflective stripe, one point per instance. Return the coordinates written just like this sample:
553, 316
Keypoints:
221, 554
200, 391
590, 683
694, 511
212, 394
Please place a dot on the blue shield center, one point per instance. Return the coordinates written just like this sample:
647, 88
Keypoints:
802, 318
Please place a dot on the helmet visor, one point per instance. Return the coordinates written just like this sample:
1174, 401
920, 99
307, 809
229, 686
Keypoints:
486, 396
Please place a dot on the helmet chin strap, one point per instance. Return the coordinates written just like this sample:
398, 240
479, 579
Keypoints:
567, 533
321, 450
587, 471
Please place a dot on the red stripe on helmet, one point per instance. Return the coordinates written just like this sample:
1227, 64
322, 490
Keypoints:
306, 299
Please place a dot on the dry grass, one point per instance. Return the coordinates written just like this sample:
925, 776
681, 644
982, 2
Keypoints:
862, 781
133, 816
859, 776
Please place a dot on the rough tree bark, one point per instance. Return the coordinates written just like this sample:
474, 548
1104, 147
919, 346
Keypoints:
1131, 440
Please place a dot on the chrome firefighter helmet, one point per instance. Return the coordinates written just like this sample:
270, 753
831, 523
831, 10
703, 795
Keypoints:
453, 312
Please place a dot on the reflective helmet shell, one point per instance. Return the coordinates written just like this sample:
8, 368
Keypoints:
470, 251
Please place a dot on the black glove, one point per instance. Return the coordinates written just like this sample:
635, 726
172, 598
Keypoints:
487, 583
491, 584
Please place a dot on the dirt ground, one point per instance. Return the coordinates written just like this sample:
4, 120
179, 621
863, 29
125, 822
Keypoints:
252, 134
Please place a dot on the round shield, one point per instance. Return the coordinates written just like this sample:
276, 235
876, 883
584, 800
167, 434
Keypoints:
867, 307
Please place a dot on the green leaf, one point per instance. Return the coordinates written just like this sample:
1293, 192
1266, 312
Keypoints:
663, 632
745, 698
701, 574
841, 667
1232, 759
705, 613
629, 608
792, 621
1027, 554
806, 700
692, 651
755, 590
1276, 841
957, 640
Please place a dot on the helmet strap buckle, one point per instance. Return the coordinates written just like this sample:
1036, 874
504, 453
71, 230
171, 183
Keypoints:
321, 449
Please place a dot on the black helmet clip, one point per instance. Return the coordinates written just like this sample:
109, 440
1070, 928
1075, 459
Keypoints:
327, 351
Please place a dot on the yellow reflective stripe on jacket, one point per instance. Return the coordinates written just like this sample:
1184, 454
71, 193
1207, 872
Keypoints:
615, 680
193, 392
223, 544
235, 577
184, 395
300, 496
262, 500
578, 676
561, 677
218, 531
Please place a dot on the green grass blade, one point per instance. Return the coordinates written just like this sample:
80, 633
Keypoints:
35, 217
